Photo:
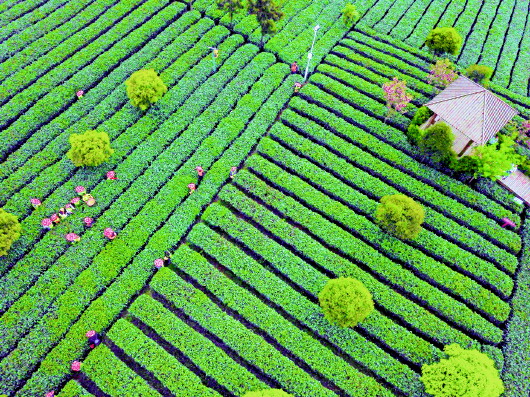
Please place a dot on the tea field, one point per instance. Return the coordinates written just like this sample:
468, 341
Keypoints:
237, 309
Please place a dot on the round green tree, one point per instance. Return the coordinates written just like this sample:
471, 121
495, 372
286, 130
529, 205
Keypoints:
400, 216
145, 87
466, 373
350, 15
444, 40
480, 74
9, 231
90, 148
268, 393
345, 301
437, 143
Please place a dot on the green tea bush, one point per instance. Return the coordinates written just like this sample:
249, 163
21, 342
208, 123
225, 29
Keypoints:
267, 393
345, 301
468, 373
145, 87
400, 215
90, 148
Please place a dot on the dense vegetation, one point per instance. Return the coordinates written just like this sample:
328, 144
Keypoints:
236, 309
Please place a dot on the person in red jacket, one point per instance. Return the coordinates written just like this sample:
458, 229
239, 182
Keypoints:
294, 68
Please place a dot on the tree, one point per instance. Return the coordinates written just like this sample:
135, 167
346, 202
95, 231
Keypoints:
479, 74
345, 301
468, 373
442, 73
232, 6
267, 12
444, 40
466, 164
268, 393
400, 216
145, 87
90, 148
396, 96
9, 231
350, 15
496, 160
437, 143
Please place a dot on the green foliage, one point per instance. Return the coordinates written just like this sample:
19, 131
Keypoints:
496, 160
345, 301
414, 134
232, 6
400, 215
480, 74
268, 393
467, 164
267, 12
90, 148
468, 373
444, 40
421, 115
145, 87
437, 143
9, 231
350, 15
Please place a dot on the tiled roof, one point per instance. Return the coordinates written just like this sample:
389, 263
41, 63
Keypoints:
471, 109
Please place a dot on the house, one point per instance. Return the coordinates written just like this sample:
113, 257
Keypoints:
474, 114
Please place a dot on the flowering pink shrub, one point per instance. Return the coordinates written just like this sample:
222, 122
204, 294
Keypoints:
442, 73
396, 95
159, 263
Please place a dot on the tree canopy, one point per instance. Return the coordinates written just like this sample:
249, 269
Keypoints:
400, 216
468, 373
267, 13
145, 87
90, 148
350, 15
437, 143
494, 161
345, 301
480, 74
9, 231
232, 6
444, 40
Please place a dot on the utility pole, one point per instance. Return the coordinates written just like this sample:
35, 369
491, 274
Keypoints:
310, 55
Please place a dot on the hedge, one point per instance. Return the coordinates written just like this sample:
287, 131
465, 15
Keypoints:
113, 376
107, 307
108, 98
232, 318
61, 23
333, 128
336, 237
12, 9
138, 161
457, 211
202, 351
57, 89
165, 172
435, 259
356, 344
73, 389
157, 361
411, 323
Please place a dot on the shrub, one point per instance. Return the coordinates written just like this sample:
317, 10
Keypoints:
437, 143
90, 148
421, 115
400, 216
345, 301
479, 73
494, 161
468, 373
9, 231
444, 40
467, 164
350, 15
442, 73
268, 393
414, 134
145, 87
